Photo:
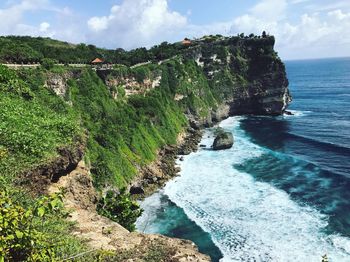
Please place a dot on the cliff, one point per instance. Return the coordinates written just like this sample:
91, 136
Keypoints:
245, 74
215, 77
128, 123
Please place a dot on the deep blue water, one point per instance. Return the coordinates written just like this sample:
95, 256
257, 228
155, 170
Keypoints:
282, 193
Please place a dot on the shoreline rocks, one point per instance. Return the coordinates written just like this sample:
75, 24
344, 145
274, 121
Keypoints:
155, 175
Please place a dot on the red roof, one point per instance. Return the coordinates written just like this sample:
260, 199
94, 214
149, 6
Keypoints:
96, 61
186, 41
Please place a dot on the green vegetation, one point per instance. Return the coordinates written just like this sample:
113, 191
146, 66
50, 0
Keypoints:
34, 230
122, 132
120, 208
157, 251
25, 49
48, 63
123, 135
31, 131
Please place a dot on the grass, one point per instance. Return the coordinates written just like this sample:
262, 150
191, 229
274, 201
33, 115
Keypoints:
32, 129
31, 132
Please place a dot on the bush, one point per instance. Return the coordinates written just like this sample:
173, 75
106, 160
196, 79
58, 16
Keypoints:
11, 84
22, 235
48, 63
120, 208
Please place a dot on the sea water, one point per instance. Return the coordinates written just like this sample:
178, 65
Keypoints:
282, 192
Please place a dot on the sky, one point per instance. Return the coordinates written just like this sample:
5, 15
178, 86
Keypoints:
303, 28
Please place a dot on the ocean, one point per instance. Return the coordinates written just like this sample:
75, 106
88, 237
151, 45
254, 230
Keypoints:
282, 192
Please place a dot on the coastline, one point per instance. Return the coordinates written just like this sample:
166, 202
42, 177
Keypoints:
154, 176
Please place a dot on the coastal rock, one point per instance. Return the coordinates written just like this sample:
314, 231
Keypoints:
136, 190
223, 140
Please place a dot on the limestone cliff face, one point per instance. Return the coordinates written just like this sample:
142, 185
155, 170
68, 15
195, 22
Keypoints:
216, 77
246, 74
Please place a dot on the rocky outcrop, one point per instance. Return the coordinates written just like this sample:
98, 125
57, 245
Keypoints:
57, 82
246, 73
224, 140
131, 86
40, 177
129, 82
102, 233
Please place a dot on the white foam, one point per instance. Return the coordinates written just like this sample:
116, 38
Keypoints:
247, 219
151, 205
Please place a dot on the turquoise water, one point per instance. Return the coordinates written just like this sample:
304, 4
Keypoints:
282, 193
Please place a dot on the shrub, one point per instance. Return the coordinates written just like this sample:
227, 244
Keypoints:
48, 63
120, 208
22, 231
11, 84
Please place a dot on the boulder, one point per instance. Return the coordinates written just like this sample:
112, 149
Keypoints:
222, 141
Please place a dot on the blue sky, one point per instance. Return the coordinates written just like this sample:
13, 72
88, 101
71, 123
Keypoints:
303, 28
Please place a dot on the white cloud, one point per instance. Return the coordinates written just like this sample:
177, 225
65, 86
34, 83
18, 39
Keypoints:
298, 1
316, 34
98, 23
338, 15
137, 22
66, 26
321, 31
270, 9
12, 18
44, 26
344, 4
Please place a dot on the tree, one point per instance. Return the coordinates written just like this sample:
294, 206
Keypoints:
264, 34
120, 208
48, 63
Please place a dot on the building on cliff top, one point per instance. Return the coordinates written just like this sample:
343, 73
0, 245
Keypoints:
186, 41
97, 61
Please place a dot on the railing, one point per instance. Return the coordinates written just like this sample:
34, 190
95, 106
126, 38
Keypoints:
35, 65
95, 67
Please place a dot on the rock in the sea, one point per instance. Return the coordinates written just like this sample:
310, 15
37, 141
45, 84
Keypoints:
222, 141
